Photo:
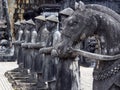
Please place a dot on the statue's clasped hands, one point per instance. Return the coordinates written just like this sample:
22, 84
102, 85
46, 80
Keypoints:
54, 53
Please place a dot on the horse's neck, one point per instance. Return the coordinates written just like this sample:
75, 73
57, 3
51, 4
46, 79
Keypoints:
109, 32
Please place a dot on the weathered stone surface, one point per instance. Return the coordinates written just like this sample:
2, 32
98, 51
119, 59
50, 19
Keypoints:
92, 21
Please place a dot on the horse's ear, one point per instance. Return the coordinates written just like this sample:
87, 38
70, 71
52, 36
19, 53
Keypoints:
81, 6
76, 5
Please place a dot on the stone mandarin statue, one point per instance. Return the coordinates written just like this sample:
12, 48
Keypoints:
49, 64
42, 39
68, 70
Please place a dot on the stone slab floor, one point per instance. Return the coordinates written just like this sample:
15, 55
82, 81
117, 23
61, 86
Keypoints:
5, 66
86, 76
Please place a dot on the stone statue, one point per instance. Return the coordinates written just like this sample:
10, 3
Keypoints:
18, 37
42, 39
64, 14
17, 41
31, 35
20, 51
50, 63
104, 22
90, 45
68, 71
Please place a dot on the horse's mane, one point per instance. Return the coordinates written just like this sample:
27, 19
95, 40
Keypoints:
105, 10
111, 13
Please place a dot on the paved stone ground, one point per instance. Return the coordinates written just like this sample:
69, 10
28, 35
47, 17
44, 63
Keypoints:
86, 76
5, 66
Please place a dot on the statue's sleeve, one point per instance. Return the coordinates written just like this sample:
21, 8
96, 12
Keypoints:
34, 36
27, 36
20, 35
56, 38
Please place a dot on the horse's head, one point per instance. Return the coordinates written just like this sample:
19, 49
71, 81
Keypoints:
86, 22
77, 27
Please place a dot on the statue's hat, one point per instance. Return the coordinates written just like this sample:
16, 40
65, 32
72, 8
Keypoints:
52, 18
17, 23
41, 17
67, 11
30, 22
23, 22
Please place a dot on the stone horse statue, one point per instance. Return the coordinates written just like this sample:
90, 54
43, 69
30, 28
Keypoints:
98, 20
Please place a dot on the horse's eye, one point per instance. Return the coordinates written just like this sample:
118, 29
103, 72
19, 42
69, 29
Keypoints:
72, 23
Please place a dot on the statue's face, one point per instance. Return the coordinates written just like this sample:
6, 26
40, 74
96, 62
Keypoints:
62, 17
39, 24
50, 25
23, 26
30, 27
91, 43
27, 27
17, 27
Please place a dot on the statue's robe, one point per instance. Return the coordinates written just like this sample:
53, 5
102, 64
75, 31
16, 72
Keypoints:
17, 33
42, 37
28, 53
68, 77
21, 50
50, 63
18, 38
31, 51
